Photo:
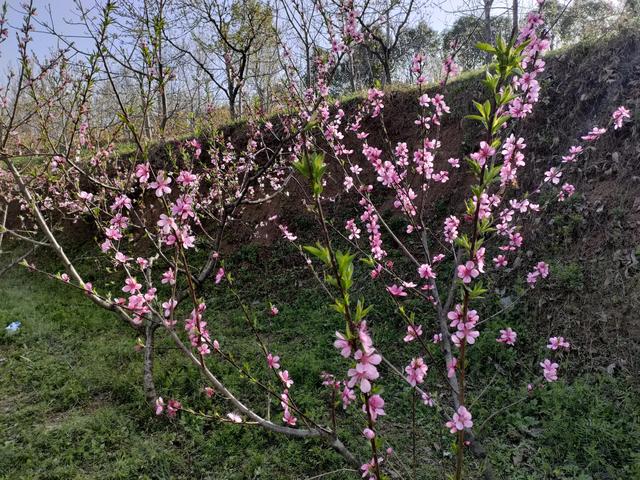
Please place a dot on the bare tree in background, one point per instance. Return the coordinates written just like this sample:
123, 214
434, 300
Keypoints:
384, 23
144, 22
300, 26
136, 62
226, 34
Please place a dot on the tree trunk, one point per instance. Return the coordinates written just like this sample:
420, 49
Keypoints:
147, 376
387, 68
488, 35
352, 72
144, 104
514, 19
307, 60
161, 75
4, 224
232, 106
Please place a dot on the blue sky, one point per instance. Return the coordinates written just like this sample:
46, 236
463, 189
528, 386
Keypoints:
439, 16
47, 11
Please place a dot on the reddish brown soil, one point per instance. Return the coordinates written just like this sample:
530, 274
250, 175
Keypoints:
600, 234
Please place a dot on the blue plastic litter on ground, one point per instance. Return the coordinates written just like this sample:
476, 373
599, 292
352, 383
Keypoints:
13, 326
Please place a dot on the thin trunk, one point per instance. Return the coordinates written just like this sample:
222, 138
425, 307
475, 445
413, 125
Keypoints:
388, 25
514, 19
53, 242
163, 106
386, 67
308, 63
147, 377
18, 260
163, 93
488, 35
232, 105
352, 72
164, 115
4, 224
146, 129
307, 59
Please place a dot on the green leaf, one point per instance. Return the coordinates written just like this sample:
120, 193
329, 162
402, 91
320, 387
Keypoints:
331, 280
361, 311
303, 168
316, 167
477, 291
319, 251
339, 306
487, 108
475, 166
369, 261
478, 118
311, 125
484, 227
485, 47
480, 107
498, 122
463, 242
491, 174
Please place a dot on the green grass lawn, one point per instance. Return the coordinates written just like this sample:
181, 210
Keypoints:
72, 406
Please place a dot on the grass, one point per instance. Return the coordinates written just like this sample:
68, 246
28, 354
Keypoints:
72, 406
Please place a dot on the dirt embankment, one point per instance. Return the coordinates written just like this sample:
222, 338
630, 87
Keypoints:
594, 243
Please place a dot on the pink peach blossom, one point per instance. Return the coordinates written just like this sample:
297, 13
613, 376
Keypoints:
467, 272
507, 336
550, 370
461, 419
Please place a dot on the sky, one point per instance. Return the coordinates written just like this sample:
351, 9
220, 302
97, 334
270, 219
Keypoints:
59, 12
48, 11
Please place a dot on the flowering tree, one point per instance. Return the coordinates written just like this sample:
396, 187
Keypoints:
151, 215
170, 209
491, 224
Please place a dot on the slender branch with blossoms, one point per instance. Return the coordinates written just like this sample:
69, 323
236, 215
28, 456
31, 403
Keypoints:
355, 342
173, 208
491, 214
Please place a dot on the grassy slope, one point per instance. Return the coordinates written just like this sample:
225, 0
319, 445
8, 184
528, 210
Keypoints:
72, 407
